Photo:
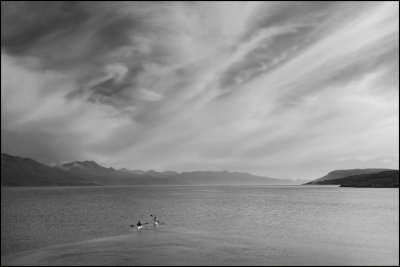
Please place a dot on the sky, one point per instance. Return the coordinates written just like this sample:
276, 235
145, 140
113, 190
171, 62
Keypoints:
280, 89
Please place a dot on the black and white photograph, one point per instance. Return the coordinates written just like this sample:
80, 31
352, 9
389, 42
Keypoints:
188, 133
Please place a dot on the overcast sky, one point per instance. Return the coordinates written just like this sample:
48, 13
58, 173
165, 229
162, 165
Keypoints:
281, 89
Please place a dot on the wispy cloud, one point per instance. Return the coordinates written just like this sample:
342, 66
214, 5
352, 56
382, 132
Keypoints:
283, 89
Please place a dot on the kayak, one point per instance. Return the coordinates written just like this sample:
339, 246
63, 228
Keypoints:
155, 224
132, 226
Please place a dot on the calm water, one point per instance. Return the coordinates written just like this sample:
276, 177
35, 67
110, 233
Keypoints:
347, 223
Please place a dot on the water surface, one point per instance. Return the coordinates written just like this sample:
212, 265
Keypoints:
255, 225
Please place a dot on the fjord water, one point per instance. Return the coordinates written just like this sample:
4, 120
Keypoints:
259, 225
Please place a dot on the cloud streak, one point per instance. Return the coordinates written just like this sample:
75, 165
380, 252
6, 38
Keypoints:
281, 89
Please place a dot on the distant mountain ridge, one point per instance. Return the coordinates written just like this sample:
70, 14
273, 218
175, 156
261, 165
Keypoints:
85, 166
81, 164
28, 172
16, 171
380, 179
345, 173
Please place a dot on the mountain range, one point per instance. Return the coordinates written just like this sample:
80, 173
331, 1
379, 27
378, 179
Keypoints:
344, 173
17, 171
360, 178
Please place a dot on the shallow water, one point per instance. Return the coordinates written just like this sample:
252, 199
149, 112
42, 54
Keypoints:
306, 224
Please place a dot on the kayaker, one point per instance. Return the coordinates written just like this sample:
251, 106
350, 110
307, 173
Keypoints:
155, 221
139, 225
